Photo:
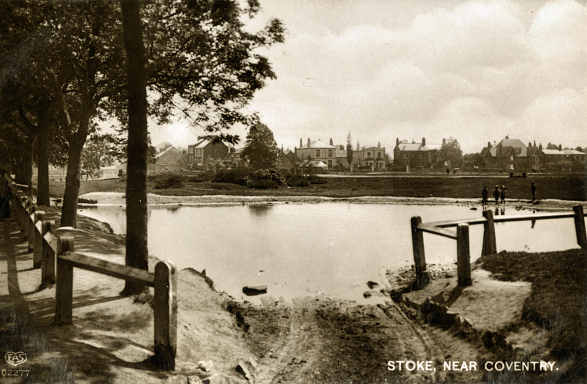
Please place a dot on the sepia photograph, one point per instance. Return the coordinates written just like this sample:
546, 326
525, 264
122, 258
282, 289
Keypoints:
293, 191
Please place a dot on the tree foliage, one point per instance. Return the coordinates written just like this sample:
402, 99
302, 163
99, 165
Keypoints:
260, 149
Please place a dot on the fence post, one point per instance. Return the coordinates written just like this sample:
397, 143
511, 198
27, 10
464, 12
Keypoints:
38, 239
580, 226
165, 307
48, 263
30, 224
463, 255
489, 240
422, 277
64, 289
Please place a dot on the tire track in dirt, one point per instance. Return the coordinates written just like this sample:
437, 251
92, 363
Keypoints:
329, 341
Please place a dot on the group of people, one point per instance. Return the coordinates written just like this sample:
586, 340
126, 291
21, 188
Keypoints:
499, 194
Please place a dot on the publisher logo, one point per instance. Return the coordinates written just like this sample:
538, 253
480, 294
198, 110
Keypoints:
15, 358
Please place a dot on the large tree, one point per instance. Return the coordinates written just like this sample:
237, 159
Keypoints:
260, 149
136, 185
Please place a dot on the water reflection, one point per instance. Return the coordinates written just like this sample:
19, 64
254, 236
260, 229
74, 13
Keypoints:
307, 249
260, 209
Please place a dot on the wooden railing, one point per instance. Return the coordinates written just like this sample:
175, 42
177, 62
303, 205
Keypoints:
55, 255
461, 235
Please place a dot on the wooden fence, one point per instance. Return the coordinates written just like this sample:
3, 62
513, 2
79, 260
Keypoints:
461, 235
55, 255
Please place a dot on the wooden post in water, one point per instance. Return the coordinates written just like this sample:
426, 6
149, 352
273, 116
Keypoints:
38, 239
48, 264
165, 307
64, 289
422, 277
580, 226
489, 240
463, 255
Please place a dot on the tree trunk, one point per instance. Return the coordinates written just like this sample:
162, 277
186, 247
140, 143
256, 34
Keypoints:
72, 179
24, 171
43, 163
136, 184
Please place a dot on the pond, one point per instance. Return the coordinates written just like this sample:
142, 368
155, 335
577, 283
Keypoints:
331, 248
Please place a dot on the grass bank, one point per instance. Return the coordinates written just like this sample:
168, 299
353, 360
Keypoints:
565, 187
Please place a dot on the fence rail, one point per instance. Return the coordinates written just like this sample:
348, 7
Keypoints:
461, 235
55, 255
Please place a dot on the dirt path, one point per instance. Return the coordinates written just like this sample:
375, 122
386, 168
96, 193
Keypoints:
329, 341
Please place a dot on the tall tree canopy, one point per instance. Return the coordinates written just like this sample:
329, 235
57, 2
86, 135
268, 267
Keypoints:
199, 60
260, 149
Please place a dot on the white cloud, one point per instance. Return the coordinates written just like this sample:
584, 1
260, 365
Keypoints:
476, 70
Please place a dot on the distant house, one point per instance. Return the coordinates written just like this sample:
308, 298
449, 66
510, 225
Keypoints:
409, 156
169, 160
206, 153
511, 154
372, 158
562, 160
317, 150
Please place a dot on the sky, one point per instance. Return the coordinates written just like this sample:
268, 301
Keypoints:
381, 69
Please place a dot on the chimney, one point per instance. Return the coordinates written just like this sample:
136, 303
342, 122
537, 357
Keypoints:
301, 145
331, 143
443, 141
423, 141
396, 141
308, 143
379, 144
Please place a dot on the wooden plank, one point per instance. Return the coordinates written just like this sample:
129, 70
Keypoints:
454, 223
438, 231
107, 268
500, 219
538, 216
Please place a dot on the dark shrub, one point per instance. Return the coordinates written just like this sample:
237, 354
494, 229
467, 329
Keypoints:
205, 176
317, 180
298, 181
265, 178
168, 181
234, 176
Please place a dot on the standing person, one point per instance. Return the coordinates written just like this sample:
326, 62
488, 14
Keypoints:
503, 194
484, 195
496, 194
533, 188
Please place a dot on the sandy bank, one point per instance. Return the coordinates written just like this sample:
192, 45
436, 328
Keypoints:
117, 199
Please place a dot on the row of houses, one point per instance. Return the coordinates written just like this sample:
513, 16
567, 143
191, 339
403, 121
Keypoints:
509, 154
341, 157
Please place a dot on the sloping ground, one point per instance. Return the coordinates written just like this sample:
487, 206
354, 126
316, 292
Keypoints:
557, 302
523, 306
311, 340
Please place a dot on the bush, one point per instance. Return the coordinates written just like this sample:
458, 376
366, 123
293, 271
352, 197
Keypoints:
298, 181
168, 181
234, 176
265, 178
205, 176
317, 180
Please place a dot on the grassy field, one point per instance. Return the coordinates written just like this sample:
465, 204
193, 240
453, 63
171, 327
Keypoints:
568, 187
557, 302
